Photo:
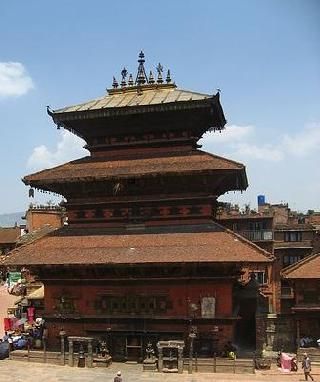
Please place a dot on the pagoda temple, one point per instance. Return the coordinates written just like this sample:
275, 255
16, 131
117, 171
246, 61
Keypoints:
142, 258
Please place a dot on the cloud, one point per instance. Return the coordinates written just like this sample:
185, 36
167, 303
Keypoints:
305, 142
69, 148
242, 142
14, 80
232, 133
265, 152
282, 167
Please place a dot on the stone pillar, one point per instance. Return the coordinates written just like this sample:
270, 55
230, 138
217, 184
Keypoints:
160, 359
90, 355
271, 330
180, 360
70, 360
62, 335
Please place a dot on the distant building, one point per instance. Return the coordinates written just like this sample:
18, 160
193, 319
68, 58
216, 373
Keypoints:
8, 239
304, 279
38, 216
289, 235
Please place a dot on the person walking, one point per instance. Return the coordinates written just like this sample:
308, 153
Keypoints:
306, 366
118, 377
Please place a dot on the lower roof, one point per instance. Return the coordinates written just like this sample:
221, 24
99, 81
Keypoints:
67, 246
307, 268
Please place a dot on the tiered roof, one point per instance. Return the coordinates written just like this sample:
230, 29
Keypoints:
73, 247
88, 168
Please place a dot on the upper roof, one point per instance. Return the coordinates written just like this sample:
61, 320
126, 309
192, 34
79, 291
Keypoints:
89, 168
66, 246
142, 95
307, 268
147, 95
9, 235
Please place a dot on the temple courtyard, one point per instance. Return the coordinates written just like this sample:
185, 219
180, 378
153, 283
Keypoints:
19, 371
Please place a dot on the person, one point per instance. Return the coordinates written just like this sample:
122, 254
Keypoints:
306, 366
118, 377
229, 350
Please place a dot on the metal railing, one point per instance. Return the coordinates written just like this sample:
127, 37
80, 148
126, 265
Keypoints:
262, 235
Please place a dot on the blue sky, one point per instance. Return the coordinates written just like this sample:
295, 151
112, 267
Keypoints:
263, 55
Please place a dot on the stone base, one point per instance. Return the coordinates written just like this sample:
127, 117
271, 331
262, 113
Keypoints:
150, 366
166, 370
102, 362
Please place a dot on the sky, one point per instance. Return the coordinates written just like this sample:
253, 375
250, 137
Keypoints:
264, 55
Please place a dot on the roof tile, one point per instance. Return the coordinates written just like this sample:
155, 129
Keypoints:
89, 168
307, 268
217, 247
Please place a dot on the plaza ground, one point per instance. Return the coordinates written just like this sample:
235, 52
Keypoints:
18, 371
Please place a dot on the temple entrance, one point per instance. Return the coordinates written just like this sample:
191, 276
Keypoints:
245, 334
130, 346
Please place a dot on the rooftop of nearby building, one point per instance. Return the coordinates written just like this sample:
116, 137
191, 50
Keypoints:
307, 268
9, 235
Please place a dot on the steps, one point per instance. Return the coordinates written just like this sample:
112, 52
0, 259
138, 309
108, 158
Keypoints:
221, 365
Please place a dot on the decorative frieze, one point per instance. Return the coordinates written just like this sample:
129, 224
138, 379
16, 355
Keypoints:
139, 211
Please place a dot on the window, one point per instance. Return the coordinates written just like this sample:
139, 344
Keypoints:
257, 226
66, 304
261, 277
291, 259
310, 296
235, 227
293, 236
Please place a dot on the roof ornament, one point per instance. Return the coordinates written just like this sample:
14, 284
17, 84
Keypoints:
142, 80
159, 70
115, 83
124, 74
151, 78
168, 78
130, 80
141, 75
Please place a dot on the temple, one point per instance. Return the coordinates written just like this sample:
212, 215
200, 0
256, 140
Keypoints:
142, 258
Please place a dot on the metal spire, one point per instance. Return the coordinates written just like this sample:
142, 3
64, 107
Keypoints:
159, 70
130, 81
124, 73
115, 83
151, 78
141, 75
168, 78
